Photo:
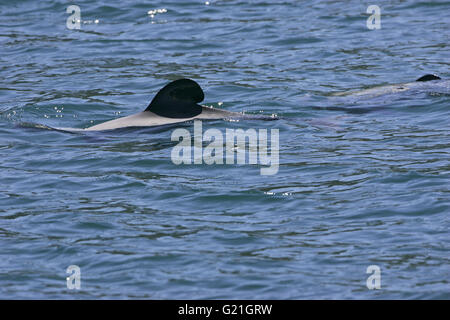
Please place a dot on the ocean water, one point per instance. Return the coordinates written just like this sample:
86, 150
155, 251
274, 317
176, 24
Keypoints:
362, 180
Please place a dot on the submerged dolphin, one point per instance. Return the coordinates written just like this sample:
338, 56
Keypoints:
419, 84
176, 102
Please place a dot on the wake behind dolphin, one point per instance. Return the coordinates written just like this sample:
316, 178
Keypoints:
176, 102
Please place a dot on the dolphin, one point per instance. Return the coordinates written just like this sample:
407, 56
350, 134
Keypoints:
176, 102
423, 83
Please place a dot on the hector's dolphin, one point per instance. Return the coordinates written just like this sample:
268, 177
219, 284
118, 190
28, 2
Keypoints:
176, 102
426, 83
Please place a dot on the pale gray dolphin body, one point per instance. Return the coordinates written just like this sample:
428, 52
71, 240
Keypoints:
150, 119
427, 83
176, 102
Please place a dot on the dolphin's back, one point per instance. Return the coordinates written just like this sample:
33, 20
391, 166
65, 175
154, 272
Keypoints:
427, 83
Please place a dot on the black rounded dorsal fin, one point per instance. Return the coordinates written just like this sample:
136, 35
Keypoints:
178, 99
428, 77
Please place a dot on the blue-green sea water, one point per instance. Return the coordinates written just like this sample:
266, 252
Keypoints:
362, 180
